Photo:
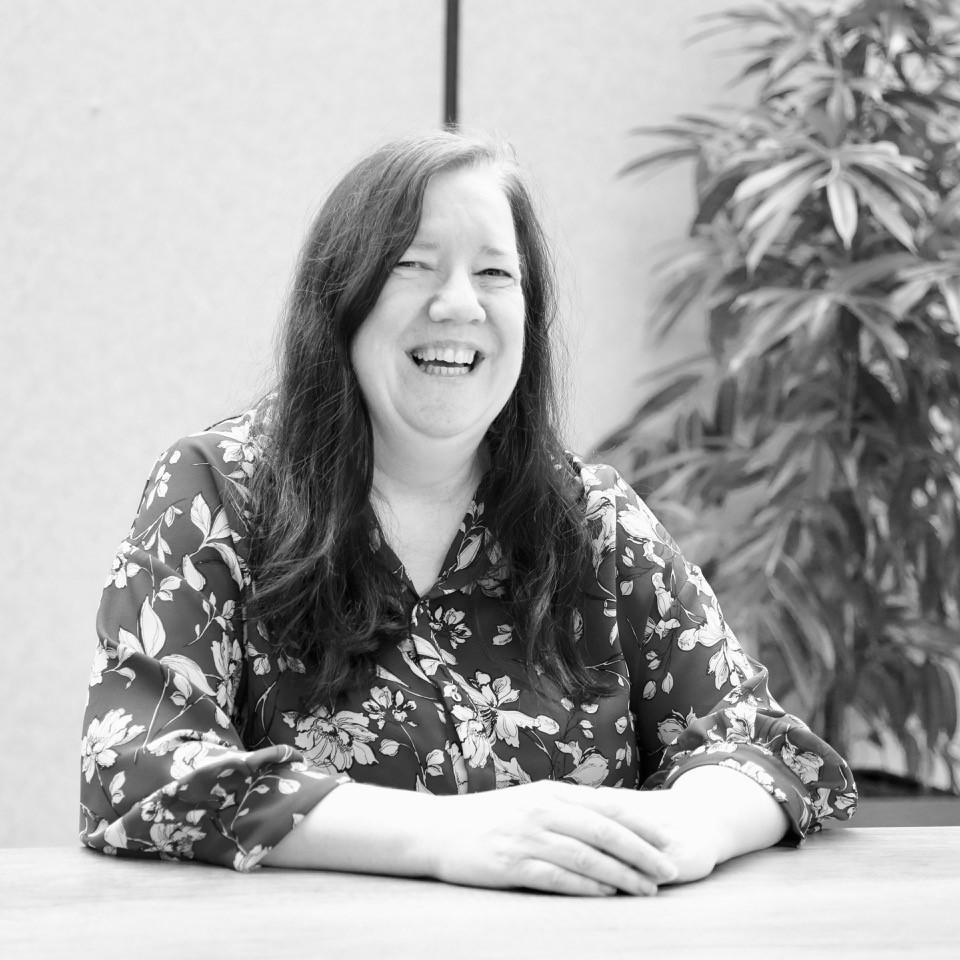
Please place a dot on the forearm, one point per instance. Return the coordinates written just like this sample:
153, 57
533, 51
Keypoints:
370, 829
364, 829
742, 815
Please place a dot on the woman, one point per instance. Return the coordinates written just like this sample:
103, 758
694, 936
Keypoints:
390, 575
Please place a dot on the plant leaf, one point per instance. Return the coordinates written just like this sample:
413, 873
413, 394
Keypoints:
767, 178
775, 213
843, 208
661, 158
886, 211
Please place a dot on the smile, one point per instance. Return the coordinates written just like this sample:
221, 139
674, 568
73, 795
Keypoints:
446, 361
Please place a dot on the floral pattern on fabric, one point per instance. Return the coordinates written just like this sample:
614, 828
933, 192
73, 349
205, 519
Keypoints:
197, 743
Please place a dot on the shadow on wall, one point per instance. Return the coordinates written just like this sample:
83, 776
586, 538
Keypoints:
887, 800
904, 812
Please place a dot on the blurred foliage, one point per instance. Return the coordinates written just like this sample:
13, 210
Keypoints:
810, 455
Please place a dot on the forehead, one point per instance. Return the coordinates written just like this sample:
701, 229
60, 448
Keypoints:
467, 199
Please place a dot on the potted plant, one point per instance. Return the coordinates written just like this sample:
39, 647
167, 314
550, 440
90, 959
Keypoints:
810, 456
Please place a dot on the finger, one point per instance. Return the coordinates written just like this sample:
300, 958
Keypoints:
622, 805
609, 836
586, 861
552, 878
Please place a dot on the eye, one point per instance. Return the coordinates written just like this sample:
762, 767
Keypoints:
496, 272
408, 264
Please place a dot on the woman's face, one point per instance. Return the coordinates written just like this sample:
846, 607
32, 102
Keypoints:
440, 352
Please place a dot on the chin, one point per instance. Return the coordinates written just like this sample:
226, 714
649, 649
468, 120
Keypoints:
438, 429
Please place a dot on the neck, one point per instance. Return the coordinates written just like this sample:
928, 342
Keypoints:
433, 470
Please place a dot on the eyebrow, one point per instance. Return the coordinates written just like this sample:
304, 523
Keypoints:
495, 251
486, 248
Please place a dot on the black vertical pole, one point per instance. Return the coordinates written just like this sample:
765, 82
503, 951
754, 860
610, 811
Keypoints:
451, 64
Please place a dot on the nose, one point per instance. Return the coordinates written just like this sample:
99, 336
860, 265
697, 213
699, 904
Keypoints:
456, 299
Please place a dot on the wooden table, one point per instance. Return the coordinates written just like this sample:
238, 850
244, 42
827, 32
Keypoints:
880, 892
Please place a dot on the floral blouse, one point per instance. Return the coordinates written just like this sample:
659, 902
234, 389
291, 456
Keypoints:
198, 743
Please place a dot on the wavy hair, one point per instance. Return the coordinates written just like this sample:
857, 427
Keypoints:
322, 594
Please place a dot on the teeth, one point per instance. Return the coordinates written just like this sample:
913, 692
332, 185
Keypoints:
448, 371
445, 354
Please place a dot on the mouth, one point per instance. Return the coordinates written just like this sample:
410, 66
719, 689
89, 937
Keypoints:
443, 361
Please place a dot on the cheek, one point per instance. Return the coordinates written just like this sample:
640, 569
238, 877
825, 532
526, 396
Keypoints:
363, 359
371, 339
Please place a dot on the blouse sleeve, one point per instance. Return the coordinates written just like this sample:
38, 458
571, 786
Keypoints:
165, 772
698, 697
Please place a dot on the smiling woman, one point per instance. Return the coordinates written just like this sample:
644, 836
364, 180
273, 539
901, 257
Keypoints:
390, 574
439, 354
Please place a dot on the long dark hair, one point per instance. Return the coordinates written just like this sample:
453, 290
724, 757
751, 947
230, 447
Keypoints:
319, 589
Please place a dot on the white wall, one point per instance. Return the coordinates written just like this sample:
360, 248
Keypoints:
566, 81
160, 163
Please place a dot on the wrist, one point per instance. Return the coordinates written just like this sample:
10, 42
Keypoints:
414, 816
693, 805
364, 828
735, 810
442, 830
